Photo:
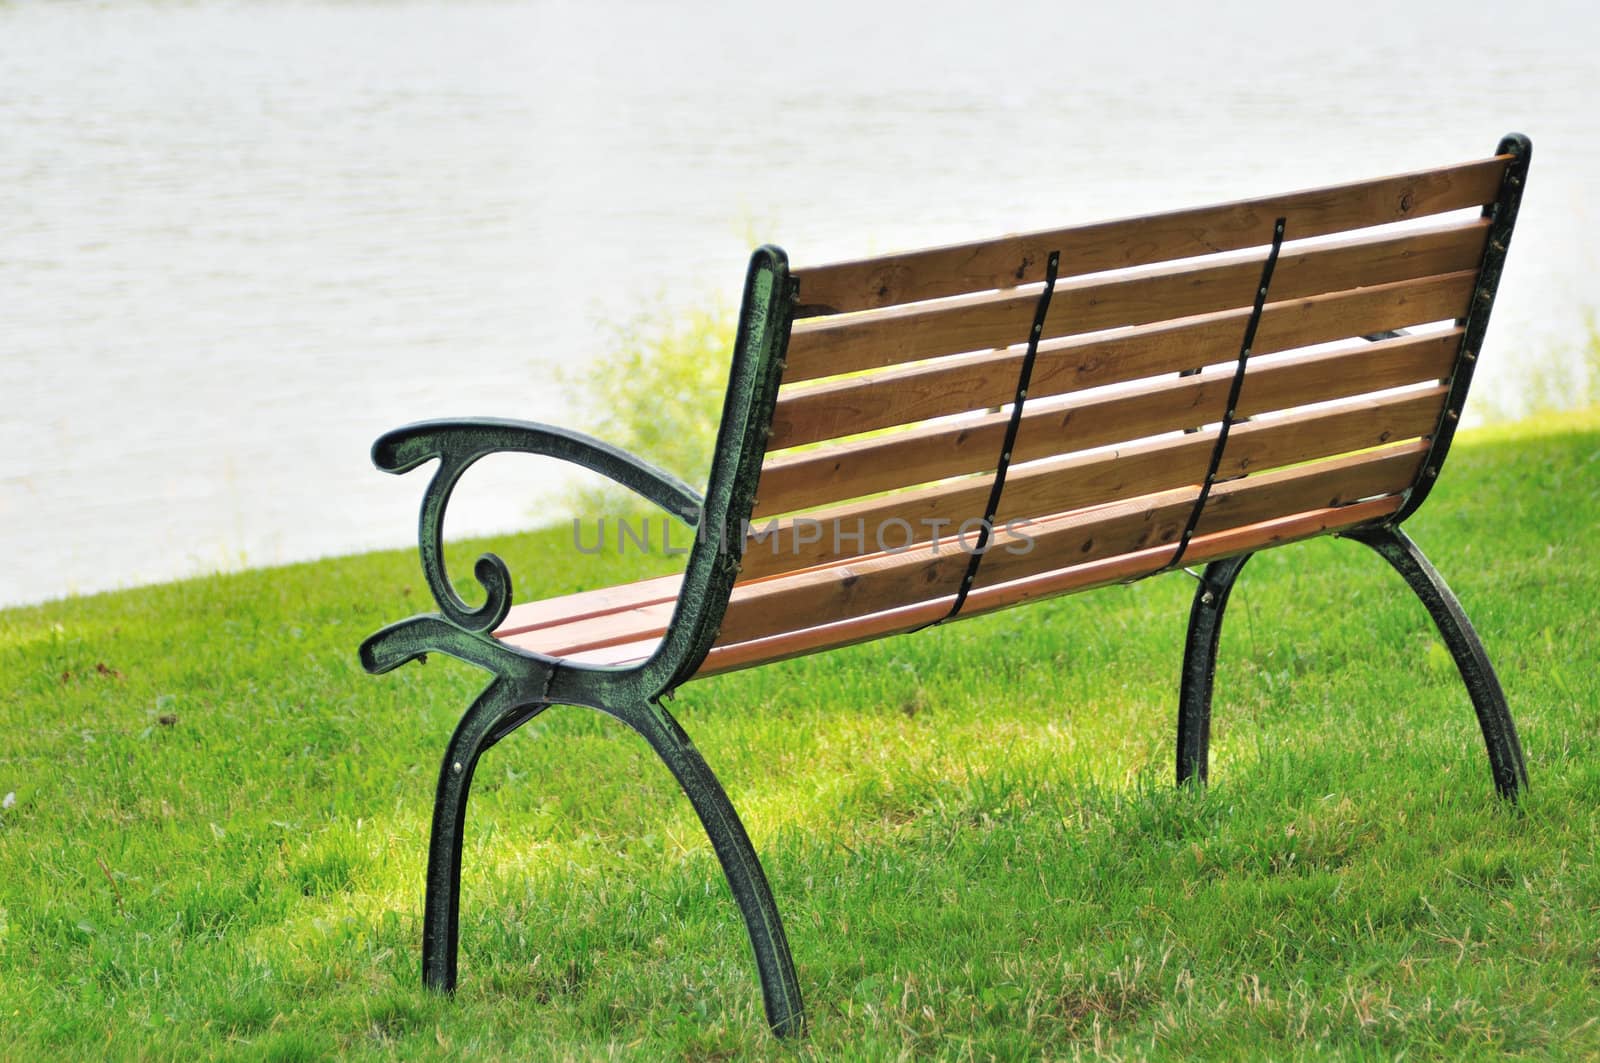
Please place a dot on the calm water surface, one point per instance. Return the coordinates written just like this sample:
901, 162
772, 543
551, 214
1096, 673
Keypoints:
238, 241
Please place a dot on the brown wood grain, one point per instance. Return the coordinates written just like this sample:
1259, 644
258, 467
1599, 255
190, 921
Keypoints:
887, 582
805, 601
861, 467
828, 346
531, 615
1074, 481
1020, 259
906, 394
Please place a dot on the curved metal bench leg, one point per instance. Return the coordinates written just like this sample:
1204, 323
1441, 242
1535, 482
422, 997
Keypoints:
1494, 717
492, 716
780, 989
1200, 666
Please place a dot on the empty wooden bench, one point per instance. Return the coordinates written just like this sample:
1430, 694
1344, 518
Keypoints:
919, 437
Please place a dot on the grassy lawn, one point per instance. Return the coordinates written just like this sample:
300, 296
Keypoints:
217, 841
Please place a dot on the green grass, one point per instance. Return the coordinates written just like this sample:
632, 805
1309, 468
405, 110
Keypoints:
217, 843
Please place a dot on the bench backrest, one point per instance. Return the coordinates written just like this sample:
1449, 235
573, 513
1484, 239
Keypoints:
898, 395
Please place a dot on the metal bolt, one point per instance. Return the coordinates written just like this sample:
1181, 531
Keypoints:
1005, 456
456, 767
1207, 598
1038, 329
1498, 245
1452, 414
1022, 393
1515, 180
1431, 471
1262, 292
1484, 296
1469, 356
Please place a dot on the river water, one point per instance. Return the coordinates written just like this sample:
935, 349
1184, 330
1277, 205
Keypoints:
239, 240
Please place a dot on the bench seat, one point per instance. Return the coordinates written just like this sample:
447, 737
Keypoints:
623, 625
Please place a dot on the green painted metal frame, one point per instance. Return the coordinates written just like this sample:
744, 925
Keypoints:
526, 683
1506, 765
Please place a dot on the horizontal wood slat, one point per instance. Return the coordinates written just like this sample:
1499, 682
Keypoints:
889, 581
1076, 539
973, 382
826, 347
532, 615
727, 657
934, 452
1140, 524
1074, 481
1013, 260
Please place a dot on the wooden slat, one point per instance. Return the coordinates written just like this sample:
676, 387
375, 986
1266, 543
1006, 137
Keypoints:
731, 656
616, 655
625, 634
597, 632
1139, 524
1014, 260
894, 580
1062, 484
935, 452
829, 346
532, 615
973, 382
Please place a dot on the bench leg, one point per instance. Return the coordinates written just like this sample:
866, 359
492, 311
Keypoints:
1200, 666
504, 707
492, 716
780, 989
1494, 717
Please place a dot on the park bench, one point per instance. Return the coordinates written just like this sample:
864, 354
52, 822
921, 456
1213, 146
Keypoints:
915, 438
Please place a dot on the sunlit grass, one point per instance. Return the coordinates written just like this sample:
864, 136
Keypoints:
220, 823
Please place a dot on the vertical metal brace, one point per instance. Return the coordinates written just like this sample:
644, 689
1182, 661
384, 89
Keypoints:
1502, 215
1024, 375
1233, 397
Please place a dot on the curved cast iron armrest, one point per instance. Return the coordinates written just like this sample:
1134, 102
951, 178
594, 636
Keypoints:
458, 444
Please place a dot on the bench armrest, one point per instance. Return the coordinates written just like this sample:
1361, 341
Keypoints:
458, 444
